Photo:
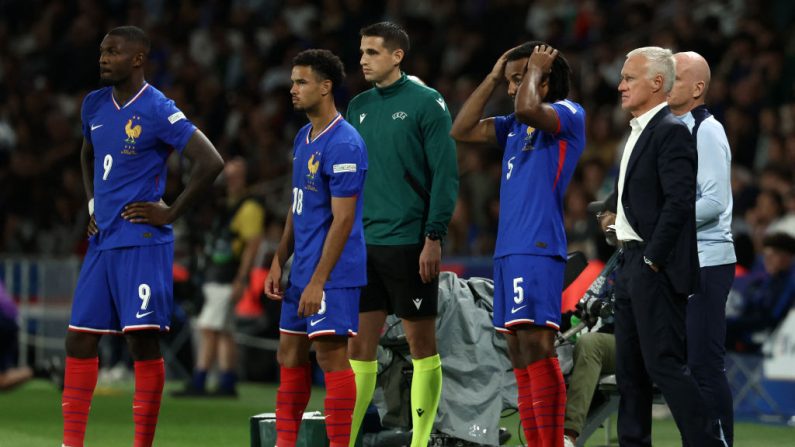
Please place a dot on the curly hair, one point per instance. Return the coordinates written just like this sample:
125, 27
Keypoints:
559, 78
324, 63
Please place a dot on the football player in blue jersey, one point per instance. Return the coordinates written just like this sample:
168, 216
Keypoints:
320, 304
125, 285
542, 141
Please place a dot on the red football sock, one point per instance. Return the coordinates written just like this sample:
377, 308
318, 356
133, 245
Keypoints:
295, 387
79, 382
525, 402
549, 401
149, 378
340, 401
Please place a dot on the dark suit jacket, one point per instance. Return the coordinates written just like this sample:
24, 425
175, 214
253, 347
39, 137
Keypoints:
659, 198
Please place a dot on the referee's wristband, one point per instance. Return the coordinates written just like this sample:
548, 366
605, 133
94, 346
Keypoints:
91, 206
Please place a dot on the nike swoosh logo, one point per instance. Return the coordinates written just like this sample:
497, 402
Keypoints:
93, 127
512, 134
314, 322
517, 309
141, 315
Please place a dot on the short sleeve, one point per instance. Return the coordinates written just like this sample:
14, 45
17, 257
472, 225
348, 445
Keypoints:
570, 118
502, 126
175, 128
345, 165
84, 124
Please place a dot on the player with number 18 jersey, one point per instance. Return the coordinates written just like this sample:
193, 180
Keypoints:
333, 164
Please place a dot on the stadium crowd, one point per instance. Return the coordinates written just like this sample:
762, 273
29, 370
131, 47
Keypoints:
227, 66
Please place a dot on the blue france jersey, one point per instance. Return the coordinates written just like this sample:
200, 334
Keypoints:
334, 164
537, 167
131, 145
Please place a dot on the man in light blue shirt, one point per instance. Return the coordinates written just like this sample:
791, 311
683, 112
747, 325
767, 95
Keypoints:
706, 316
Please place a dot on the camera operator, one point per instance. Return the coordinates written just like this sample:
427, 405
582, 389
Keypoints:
594, 351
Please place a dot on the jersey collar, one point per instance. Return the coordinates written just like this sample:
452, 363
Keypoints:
328, 127
132, 100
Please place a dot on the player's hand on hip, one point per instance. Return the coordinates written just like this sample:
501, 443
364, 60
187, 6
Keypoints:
311, 299
152, 213
430, 260
92, 226
273, 284
542, 57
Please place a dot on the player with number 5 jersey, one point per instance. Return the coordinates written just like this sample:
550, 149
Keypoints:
125, 285
542, 141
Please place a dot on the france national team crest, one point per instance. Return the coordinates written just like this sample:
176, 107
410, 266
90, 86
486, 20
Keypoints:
312, 165
529, 139
133, 131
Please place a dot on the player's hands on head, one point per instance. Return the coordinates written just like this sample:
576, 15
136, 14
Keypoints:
498, 72
430, 260
311, 299
542, 57
152, 213
273, 283
92, 226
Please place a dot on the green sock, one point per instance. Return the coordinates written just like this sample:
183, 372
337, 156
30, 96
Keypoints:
426, 389
366, 374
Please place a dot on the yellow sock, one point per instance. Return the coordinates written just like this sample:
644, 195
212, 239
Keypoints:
366, 374
426, 389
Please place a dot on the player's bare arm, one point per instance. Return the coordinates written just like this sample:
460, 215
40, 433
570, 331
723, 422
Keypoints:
206, 165
87, 166
430, 260
283, 251
529, 102
468, 126
344, 211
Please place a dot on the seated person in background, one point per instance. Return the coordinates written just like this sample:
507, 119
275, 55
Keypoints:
10, 374
768, 296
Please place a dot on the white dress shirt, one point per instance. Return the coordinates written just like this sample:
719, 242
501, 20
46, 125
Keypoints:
624, 231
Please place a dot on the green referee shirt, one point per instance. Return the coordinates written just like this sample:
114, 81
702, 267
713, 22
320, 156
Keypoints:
406, 127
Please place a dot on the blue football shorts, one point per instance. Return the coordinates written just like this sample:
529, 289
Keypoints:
338, 314
527, 290
124, 289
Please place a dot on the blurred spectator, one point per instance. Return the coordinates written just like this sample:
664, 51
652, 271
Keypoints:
10, 374
767, 296
231, 247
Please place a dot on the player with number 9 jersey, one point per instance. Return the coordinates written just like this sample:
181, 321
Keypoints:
132, 142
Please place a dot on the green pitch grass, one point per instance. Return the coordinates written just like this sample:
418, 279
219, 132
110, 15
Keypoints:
31, 417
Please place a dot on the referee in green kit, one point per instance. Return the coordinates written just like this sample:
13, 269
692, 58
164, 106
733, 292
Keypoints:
409, 196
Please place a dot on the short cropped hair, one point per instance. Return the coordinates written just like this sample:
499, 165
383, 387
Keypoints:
324, 63
559, 77
395, 37
132, 34
660, 61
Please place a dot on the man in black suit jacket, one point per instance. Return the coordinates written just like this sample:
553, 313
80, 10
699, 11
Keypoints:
654, 206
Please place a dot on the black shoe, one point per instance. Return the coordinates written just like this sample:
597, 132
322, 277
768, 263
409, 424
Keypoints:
189, 391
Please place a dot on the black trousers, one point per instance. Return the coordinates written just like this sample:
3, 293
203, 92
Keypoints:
651, 348
706, 343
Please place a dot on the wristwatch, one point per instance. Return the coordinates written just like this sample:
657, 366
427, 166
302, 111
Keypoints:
434, 236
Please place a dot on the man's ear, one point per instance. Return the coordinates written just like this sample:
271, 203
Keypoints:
397, 56
657, 82
326, 87
698, 89
138, 59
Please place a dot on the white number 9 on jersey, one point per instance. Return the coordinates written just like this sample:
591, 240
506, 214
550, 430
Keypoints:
107, 163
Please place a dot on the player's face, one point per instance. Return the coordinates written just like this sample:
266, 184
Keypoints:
307, 88
635, 87
377, 61
117, 59
514, 74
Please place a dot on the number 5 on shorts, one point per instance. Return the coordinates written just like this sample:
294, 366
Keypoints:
517, 289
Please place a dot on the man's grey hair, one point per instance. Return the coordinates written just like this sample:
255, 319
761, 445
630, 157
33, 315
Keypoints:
660, 61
